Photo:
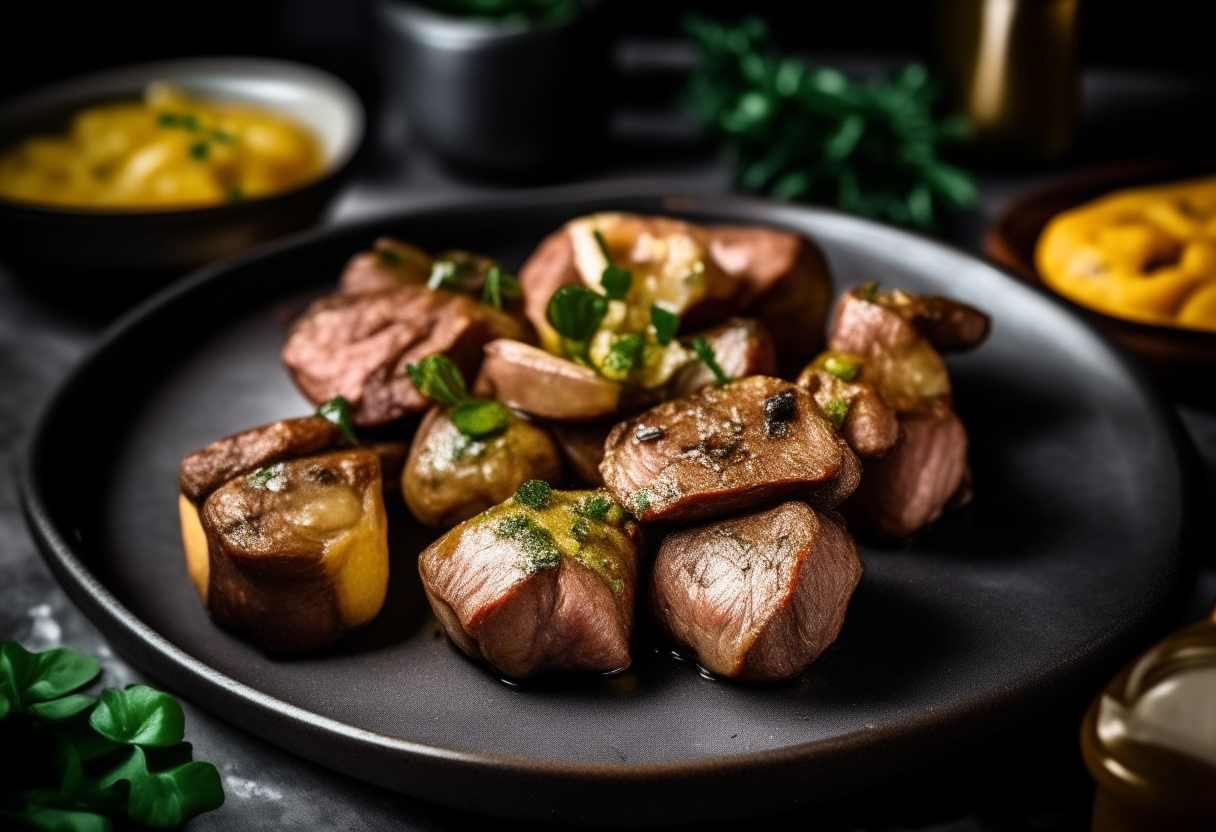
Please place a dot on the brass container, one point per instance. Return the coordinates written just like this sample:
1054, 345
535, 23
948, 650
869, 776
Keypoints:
1010, 66
1151, 753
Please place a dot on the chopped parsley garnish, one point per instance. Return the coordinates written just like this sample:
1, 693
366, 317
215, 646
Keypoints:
836, 411
534, 494
706, 353
223, 136
595, 507
447, 274
236, 194
538, 544
869, 292
437, 378
481, 418
576, 312
168, 120
580, 531
199, 151
260, 479
191, 123
625, 353
499, 285
845, 369
641, 501
665, 324
615, 280
337, 410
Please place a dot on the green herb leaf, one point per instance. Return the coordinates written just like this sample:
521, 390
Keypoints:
27, 677
199, 151
499, 285
845, 369
481, 418
191, 123
236, 194
665, 324
223, 136
166, 798
168, 120
625, 354
641, 502
260, 479
49, 819
836, 411
447, 274
580, 530
139, 715
540, 549
60, 709
337, 411
534, 494
869, 292
437, 378
576, 312
615, 280
594, 507
706, 353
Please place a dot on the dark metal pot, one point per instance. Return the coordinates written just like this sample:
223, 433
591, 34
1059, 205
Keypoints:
499, 97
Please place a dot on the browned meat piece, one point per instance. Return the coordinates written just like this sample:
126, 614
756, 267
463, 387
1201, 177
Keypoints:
756, 597
910, 487
204, 471
297, 553
786, 284
889, 337
534, 590
390, 264
703, 274
450, 477
582, 447
549, 387
359, 346
742, 347
870, 427
726, 449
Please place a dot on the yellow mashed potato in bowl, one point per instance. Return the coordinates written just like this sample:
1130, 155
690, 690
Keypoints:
1142, 254
169, 151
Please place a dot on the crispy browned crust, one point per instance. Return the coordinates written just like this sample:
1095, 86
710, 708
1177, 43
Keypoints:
204, 471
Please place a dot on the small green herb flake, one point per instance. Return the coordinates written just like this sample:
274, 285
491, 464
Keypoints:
499, 285
223, 136
447, 274
595, 507
706, 353
191, 123
836, 411
236, 194
437, 378
199, 151
168, 120
615, 280
540, 549
845, 369
481, 418
869, 292
260, 479
576, 312
337, 411
534, 494
641, 501
580, 530
625, 353
665, 324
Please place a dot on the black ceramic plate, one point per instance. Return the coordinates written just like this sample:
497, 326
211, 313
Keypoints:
1064, 562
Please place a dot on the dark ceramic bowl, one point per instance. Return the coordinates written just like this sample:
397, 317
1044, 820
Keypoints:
1183, 359
141, 243
507, 98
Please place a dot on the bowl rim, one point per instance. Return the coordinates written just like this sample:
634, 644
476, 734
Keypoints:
62, 92
1106, 178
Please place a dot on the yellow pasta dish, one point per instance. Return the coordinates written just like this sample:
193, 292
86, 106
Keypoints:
168, 151
1144, 254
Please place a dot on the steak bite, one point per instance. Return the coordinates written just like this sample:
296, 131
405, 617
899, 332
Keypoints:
389, 265
889, 339
450, 477
756, 597
358, 346
726, 449
286, 542
543, 582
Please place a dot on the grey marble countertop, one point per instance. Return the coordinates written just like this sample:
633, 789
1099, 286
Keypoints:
41, 338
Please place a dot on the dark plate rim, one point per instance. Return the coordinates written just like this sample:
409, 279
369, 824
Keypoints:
334, 169
1109, 177
163, 660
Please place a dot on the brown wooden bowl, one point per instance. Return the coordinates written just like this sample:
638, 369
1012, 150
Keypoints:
1183, 360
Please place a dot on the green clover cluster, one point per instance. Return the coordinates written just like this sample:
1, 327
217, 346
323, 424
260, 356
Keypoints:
82, 764
815, 135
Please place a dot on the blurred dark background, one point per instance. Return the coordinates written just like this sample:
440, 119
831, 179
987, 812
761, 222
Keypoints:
46, 41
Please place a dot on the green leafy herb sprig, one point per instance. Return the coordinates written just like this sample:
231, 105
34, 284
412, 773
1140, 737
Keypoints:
459, 275
437, 378
576, 312
337, 411
82, 764
706, 353
522, 10
812, 134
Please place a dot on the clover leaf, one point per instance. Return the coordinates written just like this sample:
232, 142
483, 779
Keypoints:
139, 715
27, 677
167, 798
